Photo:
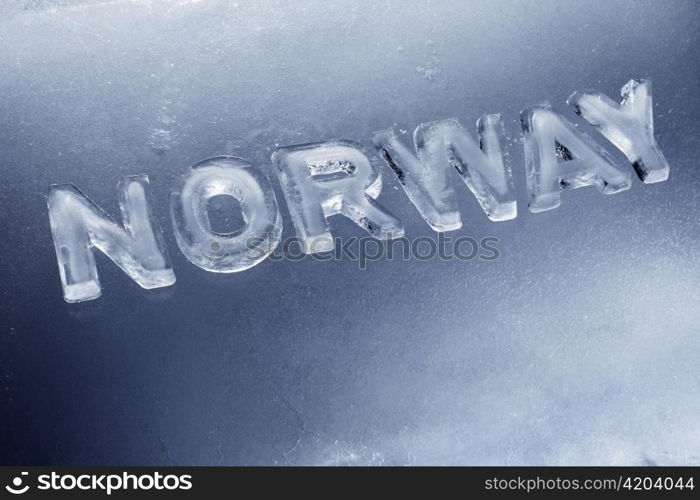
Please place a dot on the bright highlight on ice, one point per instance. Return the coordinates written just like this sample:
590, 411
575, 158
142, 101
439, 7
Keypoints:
336, 177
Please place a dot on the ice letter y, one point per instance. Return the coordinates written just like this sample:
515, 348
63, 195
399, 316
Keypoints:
226, 252
77, 224
324, 179
629, 126
440, 146
557, 157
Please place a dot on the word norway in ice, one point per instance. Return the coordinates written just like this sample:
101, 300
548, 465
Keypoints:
335, 177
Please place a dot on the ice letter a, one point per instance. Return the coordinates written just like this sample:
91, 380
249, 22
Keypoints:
629, 126
557, 157
226, 252
440, 146
77, 224
330, 178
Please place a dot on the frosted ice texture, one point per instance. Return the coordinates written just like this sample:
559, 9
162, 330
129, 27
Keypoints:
78, 225
629, 126
429, 188
558, 157
226, 252
588, 373
441, 146
324, 179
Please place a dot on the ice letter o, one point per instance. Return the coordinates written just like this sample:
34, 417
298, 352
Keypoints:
226, 252
629, 126
330, 178
558, 157
77, 224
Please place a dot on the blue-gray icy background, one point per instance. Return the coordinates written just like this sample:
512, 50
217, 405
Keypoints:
580, 345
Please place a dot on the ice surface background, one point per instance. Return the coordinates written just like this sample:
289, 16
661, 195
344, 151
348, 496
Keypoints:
580, 345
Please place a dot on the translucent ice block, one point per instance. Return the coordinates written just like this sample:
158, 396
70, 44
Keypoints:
558, 157
77, 224
226, 252
629, 126
427, 186
324, 179
441, 146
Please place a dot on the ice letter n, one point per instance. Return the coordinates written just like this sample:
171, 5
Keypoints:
77, 224
629, 126
226, 252
324, 179
440, 146
557, 157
